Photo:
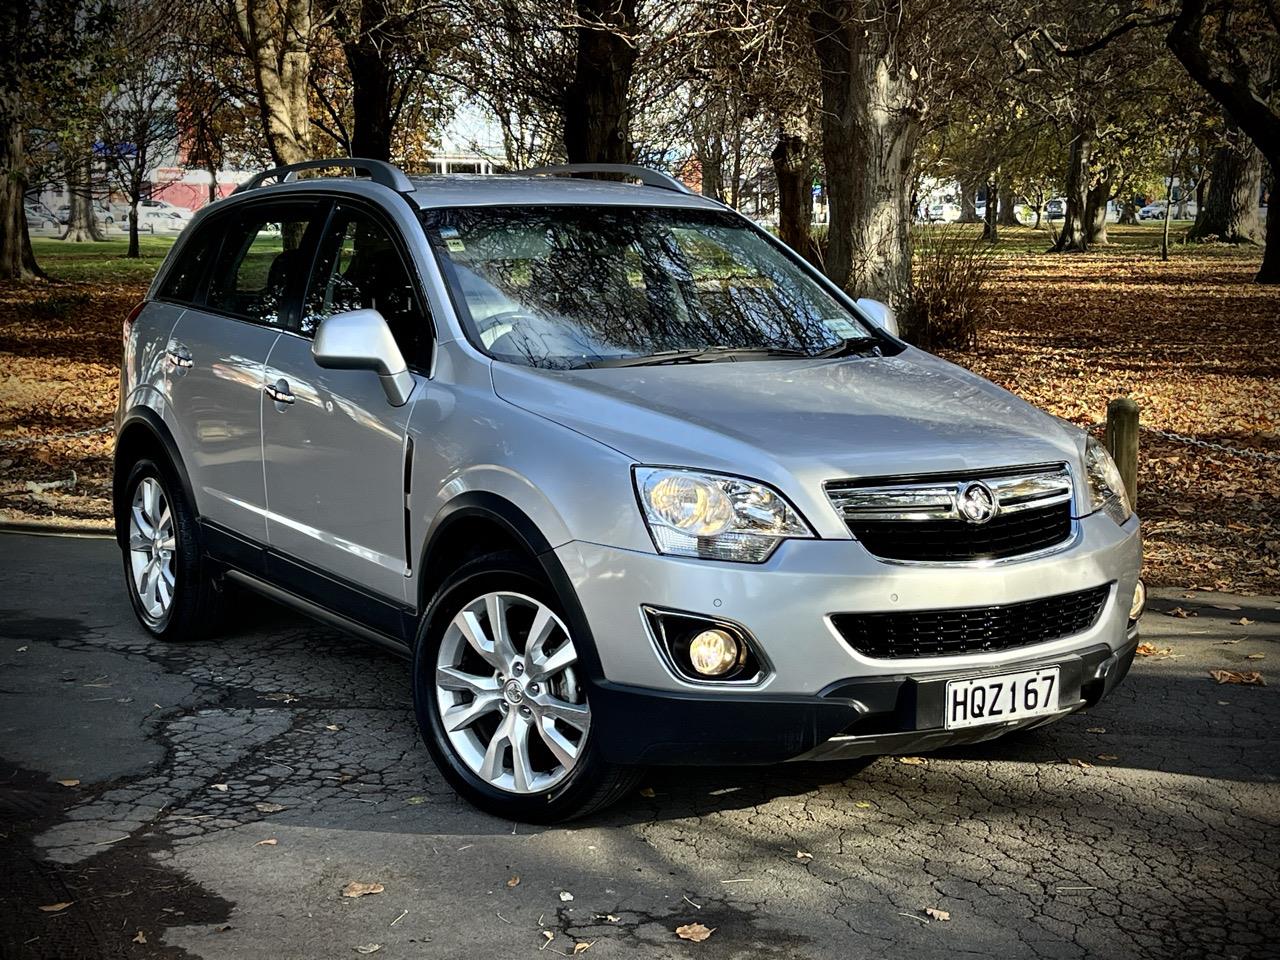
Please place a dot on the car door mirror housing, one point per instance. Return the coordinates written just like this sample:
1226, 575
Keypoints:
361, 340
881, 314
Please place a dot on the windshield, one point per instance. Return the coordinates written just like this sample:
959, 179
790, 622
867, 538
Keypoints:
565, 287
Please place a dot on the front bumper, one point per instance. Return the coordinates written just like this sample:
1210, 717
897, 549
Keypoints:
852, 718
817, 687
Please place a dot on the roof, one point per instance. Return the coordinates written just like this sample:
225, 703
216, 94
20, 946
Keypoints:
458, 190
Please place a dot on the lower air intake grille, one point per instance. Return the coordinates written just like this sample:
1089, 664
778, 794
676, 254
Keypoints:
945, 633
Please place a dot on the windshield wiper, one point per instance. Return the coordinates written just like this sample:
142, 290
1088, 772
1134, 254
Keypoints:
698, 355
850, 346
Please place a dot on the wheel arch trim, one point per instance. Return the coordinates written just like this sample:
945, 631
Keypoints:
148, 422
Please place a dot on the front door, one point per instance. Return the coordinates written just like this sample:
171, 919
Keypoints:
334, 448
218, 350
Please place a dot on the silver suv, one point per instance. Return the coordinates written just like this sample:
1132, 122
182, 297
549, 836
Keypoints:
628, 480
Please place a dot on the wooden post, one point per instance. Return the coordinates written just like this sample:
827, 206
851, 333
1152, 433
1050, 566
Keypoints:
1122, 442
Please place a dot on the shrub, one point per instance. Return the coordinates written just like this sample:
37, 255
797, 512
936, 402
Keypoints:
949, 301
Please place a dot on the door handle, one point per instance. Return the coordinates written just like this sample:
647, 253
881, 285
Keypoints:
279, 391
179, 355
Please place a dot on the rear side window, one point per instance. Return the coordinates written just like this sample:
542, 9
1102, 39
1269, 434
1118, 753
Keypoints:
263, 260
182, 285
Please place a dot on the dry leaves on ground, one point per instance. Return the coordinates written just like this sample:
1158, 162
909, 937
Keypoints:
1242, 622
56, 907
1151, 650
263, 807
69, 783
802, 855
357, 889
1077, 762
936, 914
140, 937
1250, 678
269, 842
913, 761
368, 948
514, 881
696, 932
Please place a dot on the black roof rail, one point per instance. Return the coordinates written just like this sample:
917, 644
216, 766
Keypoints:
379, 171
650, 178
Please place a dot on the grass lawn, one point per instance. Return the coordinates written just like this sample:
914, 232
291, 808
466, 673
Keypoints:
1191, 340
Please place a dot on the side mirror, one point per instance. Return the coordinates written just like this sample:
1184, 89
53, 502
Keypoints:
361, 340
881, 314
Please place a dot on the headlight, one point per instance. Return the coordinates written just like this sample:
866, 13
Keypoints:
714, 517
1106, 486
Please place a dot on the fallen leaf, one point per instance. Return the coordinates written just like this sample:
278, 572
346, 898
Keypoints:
1227, 643
269, 842
1179, 613
332, 726
1151, 650
913, 761
514, 881
646, 791
1096, 730
937, 914
1256, 656
862, 804
416, 800
565, 896
140, 938
219, 786
1252, 678
369, 948
57, 907
582, 946
695, 932
1242, 622
1107, 756
1077, 762
550, 936
802, 855
22, 649
268, 807
357, 889
70, 783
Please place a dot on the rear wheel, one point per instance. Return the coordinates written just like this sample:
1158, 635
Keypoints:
171, 591
500, 697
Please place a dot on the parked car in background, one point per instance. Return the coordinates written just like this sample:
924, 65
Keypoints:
944, 212
1055, 209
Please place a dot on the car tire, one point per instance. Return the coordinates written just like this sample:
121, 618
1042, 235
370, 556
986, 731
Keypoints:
162, 558
552, 791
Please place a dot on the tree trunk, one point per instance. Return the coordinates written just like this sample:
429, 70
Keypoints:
1095, 216
969, 200
1008, 207
276, 38
82, 222
134, 250
372, 82
597, 112
795, 194
17, 260
991, 219
1230, 211
1270, 269
1074, 238
871, 124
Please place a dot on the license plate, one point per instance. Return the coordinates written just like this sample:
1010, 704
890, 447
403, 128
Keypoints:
999, 699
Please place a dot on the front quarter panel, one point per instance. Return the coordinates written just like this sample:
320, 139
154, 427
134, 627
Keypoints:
468, 440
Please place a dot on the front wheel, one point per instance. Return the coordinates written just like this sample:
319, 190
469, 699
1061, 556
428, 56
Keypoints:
500, 697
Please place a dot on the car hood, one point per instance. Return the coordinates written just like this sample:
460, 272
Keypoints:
784, 421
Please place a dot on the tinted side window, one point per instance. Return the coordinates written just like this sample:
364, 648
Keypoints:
262, 261
182, 285
360, 267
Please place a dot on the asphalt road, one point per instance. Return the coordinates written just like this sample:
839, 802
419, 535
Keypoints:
1149, 827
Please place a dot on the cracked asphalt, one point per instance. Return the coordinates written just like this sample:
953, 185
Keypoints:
1149, 827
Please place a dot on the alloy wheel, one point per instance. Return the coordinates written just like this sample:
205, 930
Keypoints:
508, 694
152, 548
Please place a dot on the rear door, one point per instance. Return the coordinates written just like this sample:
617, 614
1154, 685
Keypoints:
217, 354
336, 452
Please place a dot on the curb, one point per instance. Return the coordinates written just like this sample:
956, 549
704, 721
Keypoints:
29, 529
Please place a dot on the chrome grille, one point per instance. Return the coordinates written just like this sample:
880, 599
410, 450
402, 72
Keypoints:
920, 519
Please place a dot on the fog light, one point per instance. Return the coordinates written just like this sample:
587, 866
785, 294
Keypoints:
1139, 601
713, 652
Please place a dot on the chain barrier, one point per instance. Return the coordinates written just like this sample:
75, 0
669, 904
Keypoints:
1212, 445
27, 441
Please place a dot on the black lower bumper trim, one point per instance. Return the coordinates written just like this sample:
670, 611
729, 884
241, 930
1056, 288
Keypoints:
638, 725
